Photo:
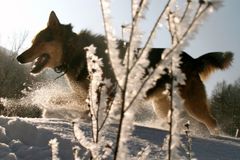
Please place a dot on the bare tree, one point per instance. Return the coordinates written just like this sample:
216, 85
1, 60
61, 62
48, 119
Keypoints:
226, 106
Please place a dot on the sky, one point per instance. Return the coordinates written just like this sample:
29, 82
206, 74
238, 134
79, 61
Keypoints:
219, 32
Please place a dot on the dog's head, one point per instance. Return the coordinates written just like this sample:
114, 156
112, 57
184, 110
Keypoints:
47, 46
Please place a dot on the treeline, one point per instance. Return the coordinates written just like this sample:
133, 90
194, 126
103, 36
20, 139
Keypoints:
225, 103
14, 78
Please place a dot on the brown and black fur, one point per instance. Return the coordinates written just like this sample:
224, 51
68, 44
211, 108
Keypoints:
59, 48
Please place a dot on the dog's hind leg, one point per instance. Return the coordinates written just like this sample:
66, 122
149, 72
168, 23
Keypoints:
200, 111
195, 101
160, 97
161, 106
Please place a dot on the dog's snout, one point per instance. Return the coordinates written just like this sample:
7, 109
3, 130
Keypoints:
20, 59
24, 57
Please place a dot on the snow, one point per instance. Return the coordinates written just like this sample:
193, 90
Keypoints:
28, 139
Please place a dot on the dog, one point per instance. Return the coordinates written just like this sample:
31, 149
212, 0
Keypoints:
59, 48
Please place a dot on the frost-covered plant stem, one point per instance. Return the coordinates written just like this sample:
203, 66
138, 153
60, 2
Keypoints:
146, 49
171, 112
186, 10
170, 124
95, 88
189, 140
176, 41
151, 34
76, 152
85, 141
196, 17
237, 133
116, 151
142, 155
54, 145
129, 52
122, 111
135, 19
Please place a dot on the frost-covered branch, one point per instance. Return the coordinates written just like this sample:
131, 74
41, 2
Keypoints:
143, 154
111, 41
95, 88
148, 43
86, 142
100, 90
179, 34
138, 10
187, 27
189, 140
76, 150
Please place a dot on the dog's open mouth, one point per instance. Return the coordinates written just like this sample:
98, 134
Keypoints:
39, 63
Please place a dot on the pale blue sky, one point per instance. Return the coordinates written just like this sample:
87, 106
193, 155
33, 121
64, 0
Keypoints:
219, 32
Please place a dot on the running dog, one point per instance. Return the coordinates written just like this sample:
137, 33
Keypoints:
59, 48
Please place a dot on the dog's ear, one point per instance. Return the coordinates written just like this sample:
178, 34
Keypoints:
53, 21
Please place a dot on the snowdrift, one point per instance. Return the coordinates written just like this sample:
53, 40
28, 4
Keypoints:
28, 139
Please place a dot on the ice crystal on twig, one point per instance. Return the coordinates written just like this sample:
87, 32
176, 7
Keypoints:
54, 145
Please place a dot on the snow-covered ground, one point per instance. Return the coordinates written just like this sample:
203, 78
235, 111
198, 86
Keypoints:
28, 139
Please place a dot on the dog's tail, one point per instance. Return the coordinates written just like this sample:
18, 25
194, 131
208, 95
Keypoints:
208, 63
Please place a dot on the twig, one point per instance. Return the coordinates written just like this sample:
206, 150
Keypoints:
189, 140
143, 154
140, 55
237, 133
134, 24
170, 28
82, 140
171, 114
185, 11
198, 14
151, 35
120, 126
107, 39
109, 105
54, 144
124, 89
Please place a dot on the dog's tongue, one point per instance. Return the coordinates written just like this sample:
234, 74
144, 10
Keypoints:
39, 63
